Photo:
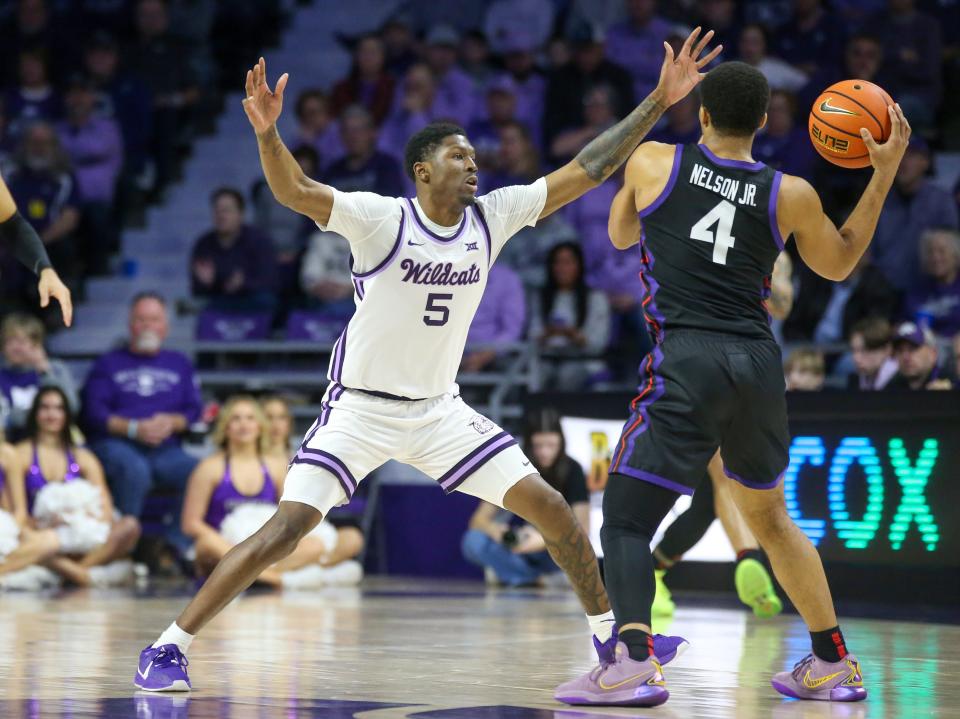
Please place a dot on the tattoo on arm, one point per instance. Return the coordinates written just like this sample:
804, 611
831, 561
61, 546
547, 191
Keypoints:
270, 142
609, 150
574, 555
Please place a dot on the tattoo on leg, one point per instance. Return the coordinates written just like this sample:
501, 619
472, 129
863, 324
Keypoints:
574, 555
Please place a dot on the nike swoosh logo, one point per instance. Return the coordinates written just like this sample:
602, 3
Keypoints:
145, 675
655, 678
525, 464
817, 683
415, 244
825, 106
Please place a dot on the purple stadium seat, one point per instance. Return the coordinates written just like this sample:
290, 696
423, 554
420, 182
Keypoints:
314, 326
217, 326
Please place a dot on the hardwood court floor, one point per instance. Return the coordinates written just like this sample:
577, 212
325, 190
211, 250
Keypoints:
429, 650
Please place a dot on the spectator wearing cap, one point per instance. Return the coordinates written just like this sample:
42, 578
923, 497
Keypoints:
915, 205
363, 168
233, 266
534, 16
124, 98
568, 85
782, 144
935, 299
754, 45
95, 149
137, 403
637, 44
912, 59
915, 349
520, 62
368, 84
316, 126
871, 347
501, 109
455, 97
826, 311
500, 318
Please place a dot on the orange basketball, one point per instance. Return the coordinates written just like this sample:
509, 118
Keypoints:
839, 113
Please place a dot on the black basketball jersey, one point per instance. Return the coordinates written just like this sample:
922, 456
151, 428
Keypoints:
709, 244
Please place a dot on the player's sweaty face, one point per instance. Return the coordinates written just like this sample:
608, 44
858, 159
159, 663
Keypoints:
454, 169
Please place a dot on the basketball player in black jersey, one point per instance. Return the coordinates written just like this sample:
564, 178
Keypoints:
711, 223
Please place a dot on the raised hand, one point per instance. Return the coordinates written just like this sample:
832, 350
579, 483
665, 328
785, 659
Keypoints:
886, 156
49, 286
262, 104
680, 74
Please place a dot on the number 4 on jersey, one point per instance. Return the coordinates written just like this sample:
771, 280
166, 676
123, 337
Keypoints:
722, 240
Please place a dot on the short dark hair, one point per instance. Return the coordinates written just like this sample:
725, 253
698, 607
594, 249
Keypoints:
735, 95
304, 97
229, 192
148, 295
876, 332
424, 143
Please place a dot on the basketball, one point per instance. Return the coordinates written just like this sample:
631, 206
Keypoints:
837, 116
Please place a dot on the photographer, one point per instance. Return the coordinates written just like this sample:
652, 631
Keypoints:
501, 542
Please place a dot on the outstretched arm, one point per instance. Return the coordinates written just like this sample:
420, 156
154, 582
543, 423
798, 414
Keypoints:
287, 181
607, 152
830, 252
26, 245
781, 288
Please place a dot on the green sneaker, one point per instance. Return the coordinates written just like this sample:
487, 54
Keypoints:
663, 605
755, 589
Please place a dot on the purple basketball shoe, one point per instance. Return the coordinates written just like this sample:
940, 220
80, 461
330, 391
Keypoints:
665, 648
813, 678
162, 669
624, 682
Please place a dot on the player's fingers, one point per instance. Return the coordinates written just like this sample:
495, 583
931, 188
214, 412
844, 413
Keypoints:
66, 305
905, 128
281, 83
702, 44
703, 62
248, 85
688, 43
263, 71
44, 292
868, 139
667, 53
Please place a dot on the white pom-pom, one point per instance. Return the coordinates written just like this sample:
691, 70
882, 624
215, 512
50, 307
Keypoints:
9, 534
245, 520
327, 534
73, 509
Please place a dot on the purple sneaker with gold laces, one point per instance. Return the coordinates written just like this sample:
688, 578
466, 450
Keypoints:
623, 682
813, 678
162, 669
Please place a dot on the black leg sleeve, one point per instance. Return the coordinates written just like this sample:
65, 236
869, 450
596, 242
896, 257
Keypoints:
689, 527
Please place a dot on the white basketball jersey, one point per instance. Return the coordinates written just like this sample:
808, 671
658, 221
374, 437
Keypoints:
414, 310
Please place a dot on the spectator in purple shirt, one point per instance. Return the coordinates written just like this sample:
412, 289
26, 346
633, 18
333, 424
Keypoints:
96, 151
500, 318
913, 206
637, 44
782, 144
911, 59
34, 98
364, 168
316, 126
935, 299
918, 358
368, 84
233, 265
137, 402
455, 96
484, 133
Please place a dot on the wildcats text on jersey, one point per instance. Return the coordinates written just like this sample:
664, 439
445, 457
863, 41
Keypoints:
441, 273
724, 186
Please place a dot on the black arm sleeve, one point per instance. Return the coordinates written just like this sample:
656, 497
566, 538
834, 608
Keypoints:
25, 244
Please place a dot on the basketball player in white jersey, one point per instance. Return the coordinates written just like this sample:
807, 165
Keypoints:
419, 269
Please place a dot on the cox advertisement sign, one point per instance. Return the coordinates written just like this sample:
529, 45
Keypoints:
866, 482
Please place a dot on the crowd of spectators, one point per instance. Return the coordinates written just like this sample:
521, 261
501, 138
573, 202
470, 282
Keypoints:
533, 93
99, 102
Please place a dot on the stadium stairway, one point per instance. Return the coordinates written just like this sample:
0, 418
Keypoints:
156, 257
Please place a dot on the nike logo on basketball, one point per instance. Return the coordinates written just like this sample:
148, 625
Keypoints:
825, 106
817, 683
145, 674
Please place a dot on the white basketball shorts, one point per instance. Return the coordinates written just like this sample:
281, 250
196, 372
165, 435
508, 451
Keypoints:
442, 437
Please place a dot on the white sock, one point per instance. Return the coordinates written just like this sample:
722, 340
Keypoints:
175, 635
602, 625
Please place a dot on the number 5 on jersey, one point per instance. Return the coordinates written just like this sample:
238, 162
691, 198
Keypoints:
722, 240
433, 307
